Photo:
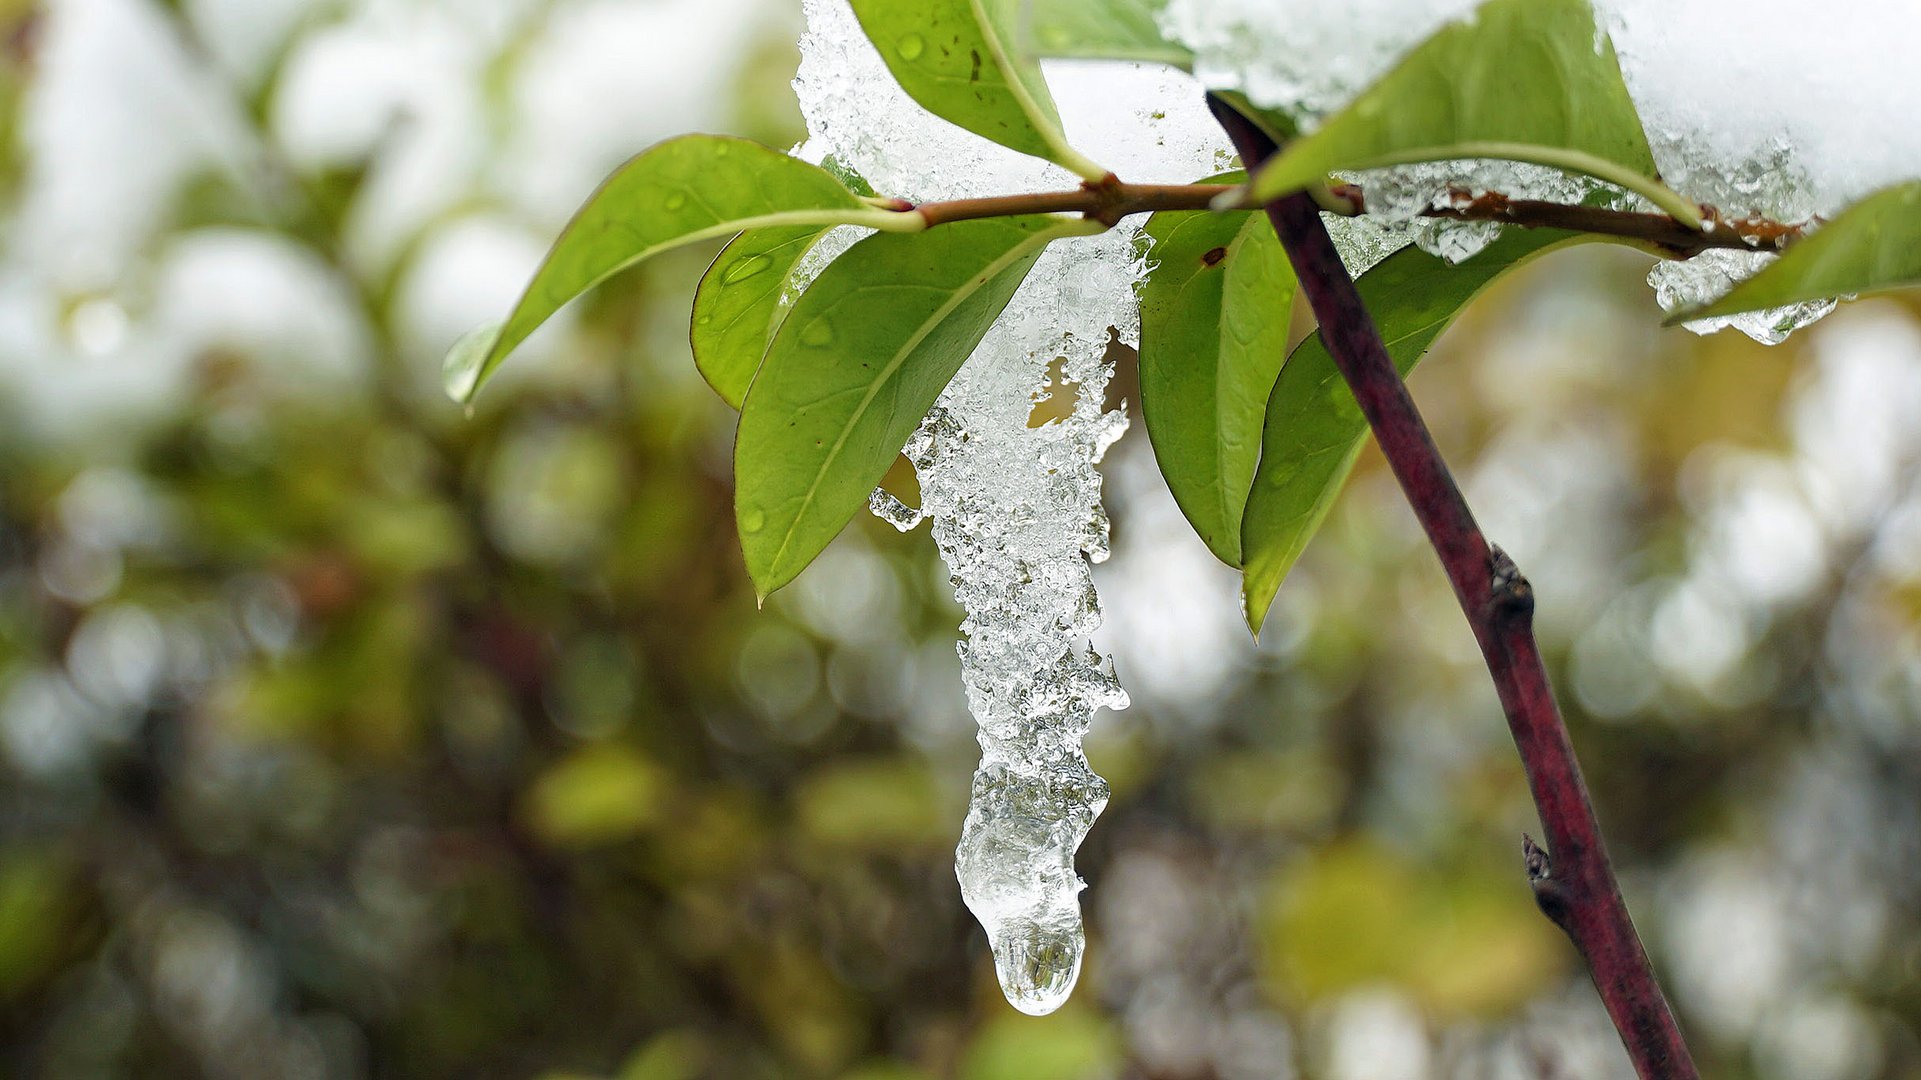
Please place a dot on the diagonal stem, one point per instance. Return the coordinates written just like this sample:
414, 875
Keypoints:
1575, 887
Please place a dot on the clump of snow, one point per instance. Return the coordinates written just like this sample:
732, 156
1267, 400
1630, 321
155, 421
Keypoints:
1306, 59
1015, 503
1779, 108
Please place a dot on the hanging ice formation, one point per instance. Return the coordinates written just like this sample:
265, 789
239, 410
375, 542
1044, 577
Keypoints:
1015, 502
1017, 515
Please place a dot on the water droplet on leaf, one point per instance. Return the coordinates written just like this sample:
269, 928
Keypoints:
676, 200
753, 520
745, 269
460, 372
911, 46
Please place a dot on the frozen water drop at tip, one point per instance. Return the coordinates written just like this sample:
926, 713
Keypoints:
1037, 964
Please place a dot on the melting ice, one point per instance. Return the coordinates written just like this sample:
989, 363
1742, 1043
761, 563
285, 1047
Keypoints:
1015, 503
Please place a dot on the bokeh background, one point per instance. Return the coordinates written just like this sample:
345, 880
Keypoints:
343, 734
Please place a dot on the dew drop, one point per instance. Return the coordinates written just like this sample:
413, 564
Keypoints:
817, 334
745, 269
676, 200
911, 46
753, 520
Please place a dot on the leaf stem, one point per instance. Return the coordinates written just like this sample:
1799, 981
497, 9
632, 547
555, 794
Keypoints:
1110, 200
1576, 887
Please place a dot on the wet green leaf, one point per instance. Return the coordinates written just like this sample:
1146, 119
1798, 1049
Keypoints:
1214, 322
854, 368
1314, 428
953, 57
1099, 30
691, 188
1522, 80
1872, 246
738, 304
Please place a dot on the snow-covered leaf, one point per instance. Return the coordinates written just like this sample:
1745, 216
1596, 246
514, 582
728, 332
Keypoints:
854, 368
1872, 246
1521, 80
956, 58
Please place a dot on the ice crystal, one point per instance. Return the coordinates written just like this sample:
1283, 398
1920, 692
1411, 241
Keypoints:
1364, 241
1709, 275
1401, 194
1007, 463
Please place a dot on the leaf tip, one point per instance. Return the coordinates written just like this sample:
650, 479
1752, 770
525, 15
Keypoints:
1253, 612
1695, 314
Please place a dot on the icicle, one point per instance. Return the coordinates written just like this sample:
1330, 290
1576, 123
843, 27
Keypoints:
1017, 516
1012, 490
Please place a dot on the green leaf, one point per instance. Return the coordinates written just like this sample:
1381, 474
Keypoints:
737, 307
1522, 80
695, 187
952, 57
854, 368
1314, 428
1214, 321
1100, 30
1872, 246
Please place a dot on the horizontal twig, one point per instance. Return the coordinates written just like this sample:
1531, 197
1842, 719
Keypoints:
1112, 200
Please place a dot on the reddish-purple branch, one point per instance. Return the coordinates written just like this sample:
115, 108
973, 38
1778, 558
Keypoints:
1576, 886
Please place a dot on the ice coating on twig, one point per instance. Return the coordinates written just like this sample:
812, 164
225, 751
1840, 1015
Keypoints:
1711, 275
1781, 108
1007, 463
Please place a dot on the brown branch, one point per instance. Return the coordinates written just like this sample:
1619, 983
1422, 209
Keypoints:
1576, 886
1107, 202
1113, 200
